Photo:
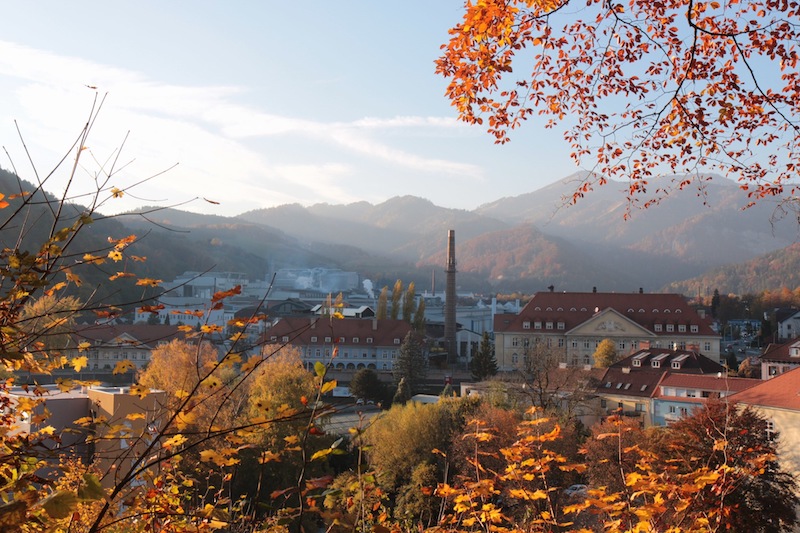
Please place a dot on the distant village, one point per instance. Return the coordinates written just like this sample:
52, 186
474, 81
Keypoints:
670, 356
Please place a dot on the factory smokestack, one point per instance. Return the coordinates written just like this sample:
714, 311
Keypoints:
450, 299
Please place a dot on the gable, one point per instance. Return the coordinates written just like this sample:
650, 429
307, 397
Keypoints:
610, 323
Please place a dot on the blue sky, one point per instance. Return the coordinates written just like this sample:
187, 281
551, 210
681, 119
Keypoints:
259, 103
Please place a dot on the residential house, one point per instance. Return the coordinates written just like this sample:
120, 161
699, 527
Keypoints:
780, 358
630, 386
358, 343
778, 400
107, 407
678, 395
574, 324
111, 343
788, 324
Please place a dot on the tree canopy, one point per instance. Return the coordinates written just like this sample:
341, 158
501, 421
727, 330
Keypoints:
641, 88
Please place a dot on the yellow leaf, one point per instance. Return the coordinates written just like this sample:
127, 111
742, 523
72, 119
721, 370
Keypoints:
149, 282
174, 441
79, 363
116, 193
115, 255
135, 416
82, 347
64, 385
328, 386
123, 366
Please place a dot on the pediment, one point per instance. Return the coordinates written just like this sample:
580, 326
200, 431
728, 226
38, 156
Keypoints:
610, 323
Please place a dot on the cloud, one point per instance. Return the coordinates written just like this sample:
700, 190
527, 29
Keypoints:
234, 153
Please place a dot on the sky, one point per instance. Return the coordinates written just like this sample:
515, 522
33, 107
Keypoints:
225, 107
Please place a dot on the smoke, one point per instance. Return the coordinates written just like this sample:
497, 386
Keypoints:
367, 284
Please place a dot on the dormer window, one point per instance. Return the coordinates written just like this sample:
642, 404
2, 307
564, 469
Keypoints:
355, 340
636, 362
284, 339
693, 328
549, 325
656, 364
681, 328
676, 365
327, 339
397, 340
369, 340
561, 325
526, 324
313, 339
670, 327
537, 324
657, 327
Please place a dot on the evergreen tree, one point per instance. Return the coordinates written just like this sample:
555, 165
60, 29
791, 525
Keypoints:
383, 303
403, 393
366, 384
484, 363
397, 295
715, 303
412, 365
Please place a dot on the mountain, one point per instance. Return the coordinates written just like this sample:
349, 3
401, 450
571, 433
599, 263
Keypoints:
523, 243
773, 270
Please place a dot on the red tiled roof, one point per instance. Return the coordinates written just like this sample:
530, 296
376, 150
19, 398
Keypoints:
144, 334
783, 352
691, 362
302, 330
575, 308
642, 383
782, 391
708, 383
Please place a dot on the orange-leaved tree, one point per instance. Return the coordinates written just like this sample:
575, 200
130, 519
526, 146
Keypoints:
642, 88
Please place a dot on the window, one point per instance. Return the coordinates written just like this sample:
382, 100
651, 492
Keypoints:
670, 327
385, 354
772, 370
549, 325
657, 327
621, 345
526, 325
636, 362
549, 342
586, 344
355, 340
681, 328
707, 346
369, 340
327, 339
673, 409
574, 344
561, 325
639, 408
693, 328
284, 339
515, 341
770, 430
313, 339
585, 359
537, 325
341, 340
656, 364
684, 411
603, 404
560, 343
318, 353
514, 358
397, 341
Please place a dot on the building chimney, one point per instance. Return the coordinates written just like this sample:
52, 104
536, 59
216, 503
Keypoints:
375, 324
641, 290
644, 345
450, 299
551, 288
594, 289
